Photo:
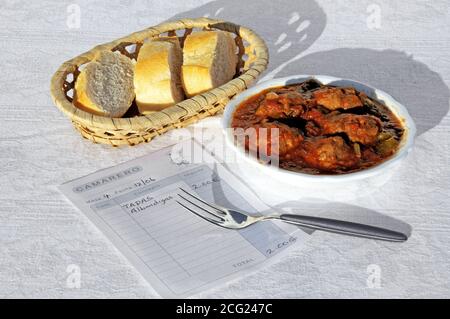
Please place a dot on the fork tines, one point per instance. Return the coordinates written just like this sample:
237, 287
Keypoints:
199, 207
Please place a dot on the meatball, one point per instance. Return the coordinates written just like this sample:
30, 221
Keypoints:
272, 138
363, 129
276, 106
327, 154
337, 98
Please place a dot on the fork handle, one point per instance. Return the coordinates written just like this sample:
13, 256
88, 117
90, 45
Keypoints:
344, 227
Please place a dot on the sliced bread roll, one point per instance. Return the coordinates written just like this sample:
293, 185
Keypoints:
105, 86
209, 60
157, 75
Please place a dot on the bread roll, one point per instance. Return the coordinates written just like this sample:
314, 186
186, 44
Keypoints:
105, 86
209, 60
157, 75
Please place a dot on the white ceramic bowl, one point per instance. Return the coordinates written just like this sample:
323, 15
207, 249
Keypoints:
321, 186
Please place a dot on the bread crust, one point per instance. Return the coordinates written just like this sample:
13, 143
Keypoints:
105, 86
157, 75
209, 60
162, 76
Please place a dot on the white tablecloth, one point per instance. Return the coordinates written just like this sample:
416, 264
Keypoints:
401, 48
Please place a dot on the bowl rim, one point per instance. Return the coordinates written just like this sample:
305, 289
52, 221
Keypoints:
399, 109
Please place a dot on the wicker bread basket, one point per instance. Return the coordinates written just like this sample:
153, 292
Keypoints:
132, 130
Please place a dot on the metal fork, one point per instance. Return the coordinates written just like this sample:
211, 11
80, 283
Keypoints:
233, 219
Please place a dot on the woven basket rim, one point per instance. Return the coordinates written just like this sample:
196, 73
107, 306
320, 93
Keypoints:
140, 121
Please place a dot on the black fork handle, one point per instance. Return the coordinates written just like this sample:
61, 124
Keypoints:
344, 227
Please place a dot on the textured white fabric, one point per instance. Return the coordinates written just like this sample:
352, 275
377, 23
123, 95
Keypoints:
400, 47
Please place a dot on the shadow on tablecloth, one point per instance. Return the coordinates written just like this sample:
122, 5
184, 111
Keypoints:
288, 28
334, 210
421, 90
342, 211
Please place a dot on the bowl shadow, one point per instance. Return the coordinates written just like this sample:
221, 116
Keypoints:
319, 208
421, 90
345, 212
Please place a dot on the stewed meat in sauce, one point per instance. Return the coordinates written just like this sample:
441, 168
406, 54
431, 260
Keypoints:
321, 129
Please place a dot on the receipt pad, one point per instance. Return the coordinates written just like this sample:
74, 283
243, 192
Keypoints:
178, 253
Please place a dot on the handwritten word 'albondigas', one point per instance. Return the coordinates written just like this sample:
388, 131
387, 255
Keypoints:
145, 202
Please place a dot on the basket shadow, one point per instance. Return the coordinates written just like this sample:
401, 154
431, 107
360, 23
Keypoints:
288, 33
421, 90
